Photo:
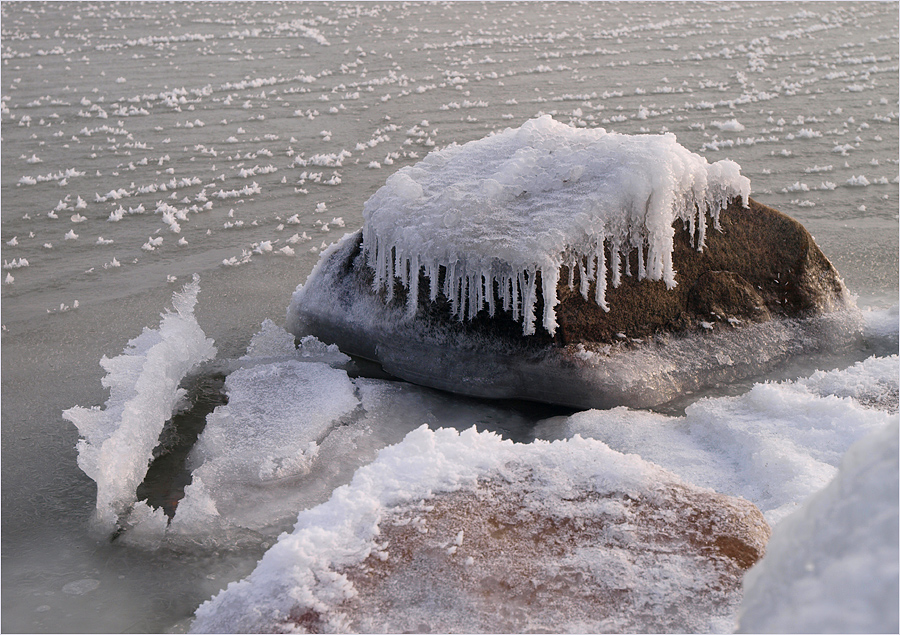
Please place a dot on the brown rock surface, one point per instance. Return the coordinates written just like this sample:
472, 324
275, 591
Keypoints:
759, 292
761, 264
488, 559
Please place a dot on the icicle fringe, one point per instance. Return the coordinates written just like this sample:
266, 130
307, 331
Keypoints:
599, 260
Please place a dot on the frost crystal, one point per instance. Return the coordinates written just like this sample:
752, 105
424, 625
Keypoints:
503, 212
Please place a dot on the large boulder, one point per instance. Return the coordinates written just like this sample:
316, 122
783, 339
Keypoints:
563, 292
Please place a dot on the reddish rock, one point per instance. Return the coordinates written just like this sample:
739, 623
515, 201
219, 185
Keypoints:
492, 559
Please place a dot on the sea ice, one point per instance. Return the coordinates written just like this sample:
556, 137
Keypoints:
832, 566
774, 445
117, 442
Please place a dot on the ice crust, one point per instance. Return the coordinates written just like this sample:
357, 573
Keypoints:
832, 566
117, 442
504, 209
774, 445
276, 417
297, 428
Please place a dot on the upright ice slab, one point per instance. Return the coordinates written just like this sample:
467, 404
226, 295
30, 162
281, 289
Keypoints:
117, 442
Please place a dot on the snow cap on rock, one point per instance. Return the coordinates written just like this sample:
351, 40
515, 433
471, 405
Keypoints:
514, 206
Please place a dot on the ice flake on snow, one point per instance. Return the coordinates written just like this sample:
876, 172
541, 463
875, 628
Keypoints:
513, 207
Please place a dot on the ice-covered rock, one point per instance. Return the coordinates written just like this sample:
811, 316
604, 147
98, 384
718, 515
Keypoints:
513, 207
468, 532
832, 566
576, 267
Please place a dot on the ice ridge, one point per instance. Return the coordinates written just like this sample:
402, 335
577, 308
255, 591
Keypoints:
501, 213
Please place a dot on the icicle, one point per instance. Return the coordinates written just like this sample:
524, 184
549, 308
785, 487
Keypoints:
668, 269
570, 265
448, 276
701, 226
590, 258
516, 285
454, 289
433, 272
642, 269
389, 273
600, 287
506, 283
584, 282
615, 265
528, 302
472, 293
380, 266
482, 297
479, 293
405, 271
492, 309
412, 299
549, 280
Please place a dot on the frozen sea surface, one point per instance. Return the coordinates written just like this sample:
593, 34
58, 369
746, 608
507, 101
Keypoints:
143, 143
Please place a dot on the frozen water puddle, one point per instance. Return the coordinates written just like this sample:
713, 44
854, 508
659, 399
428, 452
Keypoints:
468, 532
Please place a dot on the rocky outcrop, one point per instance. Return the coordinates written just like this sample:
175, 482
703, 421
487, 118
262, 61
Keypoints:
759, 292
491, 558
